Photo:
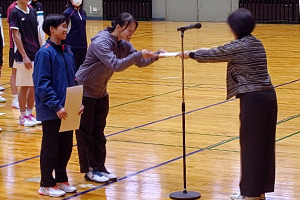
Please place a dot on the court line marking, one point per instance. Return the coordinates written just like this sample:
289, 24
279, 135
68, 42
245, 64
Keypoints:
143, 125
169, 161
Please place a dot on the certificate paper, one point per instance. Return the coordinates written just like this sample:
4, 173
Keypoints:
168, 54
72, 106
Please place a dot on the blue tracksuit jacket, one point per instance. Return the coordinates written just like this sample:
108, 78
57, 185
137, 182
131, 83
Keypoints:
53, 72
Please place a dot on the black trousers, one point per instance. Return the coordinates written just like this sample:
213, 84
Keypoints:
258, 117
79, 56
91, 141
55, 153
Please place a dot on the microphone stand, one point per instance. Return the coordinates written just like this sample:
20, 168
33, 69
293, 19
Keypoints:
184, 194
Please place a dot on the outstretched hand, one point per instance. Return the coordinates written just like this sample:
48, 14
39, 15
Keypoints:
161, 51
148, 54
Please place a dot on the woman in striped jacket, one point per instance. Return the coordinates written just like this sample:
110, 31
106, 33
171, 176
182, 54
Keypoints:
248, 79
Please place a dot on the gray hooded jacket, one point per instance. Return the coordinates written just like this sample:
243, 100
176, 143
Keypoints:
105, 56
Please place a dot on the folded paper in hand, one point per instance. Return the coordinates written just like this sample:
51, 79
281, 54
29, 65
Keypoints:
168, 54
72, 106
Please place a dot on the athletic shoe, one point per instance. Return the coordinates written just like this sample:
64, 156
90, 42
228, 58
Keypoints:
110, 176
51, 191
2, 88
65, 186
238, 196
95, 176
32, 118
0, 129
2, 100
26, 121
15, 103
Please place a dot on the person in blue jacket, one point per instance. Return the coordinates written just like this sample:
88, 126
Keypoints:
76, 38
53, 73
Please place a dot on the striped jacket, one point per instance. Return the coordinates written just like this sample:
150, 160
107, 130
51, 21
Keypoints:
247, 64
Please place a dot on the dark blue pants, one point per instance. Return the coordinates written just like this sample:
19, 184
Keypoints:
258, 117
55, 153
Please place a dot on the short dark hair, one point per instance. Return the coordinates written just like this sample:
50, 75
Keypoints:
241, 22
123, 19
53, 20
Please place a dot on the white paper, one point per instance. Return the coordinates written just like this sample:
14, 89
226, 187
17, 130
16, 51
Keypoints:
72, 106
168, 54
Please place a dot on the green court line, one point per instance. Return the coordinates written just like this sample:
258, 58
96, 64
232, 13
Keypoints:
177, 146
211, 147
171, 132
293, 134
129, 102
207, 148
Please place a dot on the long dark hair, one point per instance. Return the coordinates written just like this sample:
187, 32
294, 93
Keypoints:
122, 19
69, 3
241, 22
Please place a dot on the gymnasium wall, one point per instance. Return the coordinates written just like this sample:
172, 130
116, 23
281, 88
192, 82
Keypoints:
177, 10
264, 11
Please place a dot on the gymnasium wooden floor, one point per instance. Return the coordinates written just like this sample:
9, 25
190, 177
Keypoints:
144, 124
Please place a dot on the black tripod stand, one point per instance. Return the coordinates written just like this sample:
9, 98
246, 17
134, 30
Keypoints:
184, 194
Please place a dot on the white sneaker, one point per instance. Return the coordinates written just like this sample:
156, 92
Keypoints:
237, 196
110, 176
65, 186
51, 191
95, 176
15, 103
32, 118
2, 100
25, 121
2, 88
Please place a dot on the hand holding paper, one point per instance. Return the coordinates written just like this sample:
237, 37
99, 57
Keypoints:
62, 114
168, 54
73, 108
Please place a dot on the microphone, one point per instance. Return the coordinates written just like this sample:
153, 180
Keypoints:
192, 26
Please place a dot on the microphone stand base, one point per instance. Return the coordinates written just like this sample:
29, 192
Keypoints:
185, 195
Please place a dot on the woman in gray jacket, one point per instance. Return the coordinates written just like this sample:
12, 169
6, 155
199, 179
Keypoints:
248, 79
110, 51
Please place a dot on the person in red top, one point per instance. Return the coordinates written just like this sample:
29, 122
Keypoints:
24, 27
2, 100
14, 88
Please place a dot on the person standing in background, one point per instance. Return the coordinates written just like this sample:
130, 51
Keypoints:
76, 38
13, 87
38, 7
2, 100
24, 27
